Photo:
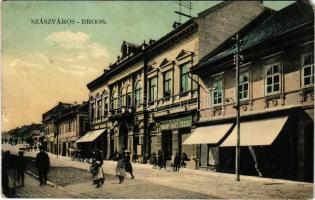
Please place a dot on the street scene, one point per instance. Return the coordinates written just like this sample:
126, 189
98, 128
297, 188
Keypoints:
72, 179
162, 99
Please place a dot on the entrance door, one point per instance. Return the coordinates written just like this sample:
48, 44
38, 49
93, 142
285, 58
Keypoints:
309, 152
123, 136
64, 147
167, 144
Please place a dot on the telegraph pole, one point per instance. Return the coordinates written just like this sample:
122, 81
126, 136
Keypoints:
237, 58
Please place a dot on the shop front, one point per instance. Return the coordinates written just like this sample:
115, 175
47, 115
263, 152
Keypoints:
170, 135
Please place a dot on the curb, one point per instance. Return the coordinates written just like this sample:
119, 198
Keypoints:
36, 177
54, 185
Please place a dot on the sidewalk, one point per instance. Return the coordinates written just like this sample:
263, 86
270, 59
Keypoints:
33, 190
184, 184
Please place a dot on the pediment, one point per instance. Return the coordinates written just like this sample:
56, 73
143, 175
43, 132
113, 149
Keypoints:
166, 62
184, 54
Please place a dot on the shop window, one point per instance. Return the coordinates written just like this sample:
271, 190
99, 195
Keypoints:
272, 78
244, 86
167, 85
217, 92
307, 70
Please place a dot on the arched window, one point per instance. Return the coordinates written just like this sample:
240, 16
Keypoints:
138, 89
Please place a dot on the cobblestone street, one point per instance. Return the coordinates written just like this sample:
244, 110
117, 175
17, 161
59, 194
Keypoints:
150, 183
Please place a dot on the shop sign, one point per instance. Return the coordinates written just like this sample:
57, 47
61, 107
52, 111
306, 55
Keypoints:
177, 123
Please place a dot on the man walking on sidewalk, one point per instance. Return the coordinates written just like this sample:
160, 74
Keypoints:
43, 164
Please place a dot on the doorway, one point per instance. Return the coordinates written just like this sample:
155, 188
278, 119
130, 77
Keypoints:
167, 144
309, 152
123, 136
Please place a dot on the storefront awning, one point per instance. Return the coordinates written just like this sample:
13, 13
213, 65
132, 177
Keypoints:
90, 136
208, 134
256, 133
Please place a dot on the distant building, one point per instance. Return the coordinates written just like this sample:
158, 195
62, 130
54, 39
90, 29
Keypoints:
50, 122
72, 125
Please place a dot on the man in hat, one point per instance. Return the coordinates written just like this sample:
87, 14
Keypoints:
43, 164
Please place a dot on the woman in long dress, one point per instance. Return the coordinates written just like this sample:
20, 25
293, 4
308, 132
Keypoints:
97, 169
120, 168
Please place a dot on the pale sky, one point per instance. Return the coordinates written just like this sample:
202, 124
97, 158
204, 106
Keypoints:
43, 64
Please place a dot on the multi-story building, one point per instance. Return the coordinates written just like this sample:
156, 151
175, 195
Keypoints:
148, 100
276, 91
49, 120
72, 125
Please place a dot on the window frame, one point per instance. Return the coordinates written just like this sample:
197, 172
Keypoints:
169, 82
279, 73
214, 90
306, 66
154, 87
186, 74
248, 86
138, 93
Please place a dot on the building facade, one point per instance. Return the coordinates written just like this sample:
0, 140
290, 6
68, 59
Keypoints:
148, 100
276, 91
72, 125
49, 120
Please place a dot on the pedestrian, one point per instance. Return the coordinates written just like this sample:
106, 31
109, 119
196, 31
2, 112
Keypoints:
43, 165
164, 159
97, 169
120, 168
8, 175
128, 166
176, 162
154, 160
160, 159
21, 166
184, 158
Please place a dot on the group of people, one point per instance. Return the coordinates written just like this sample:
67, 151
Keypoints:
123, 166
13, 169
159, 160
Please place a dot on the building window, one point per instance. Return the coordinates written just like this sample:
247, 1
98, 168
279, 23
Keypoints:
138, 89
217, 92
114, 101
244, 85
184, 78
105, 106
308, 69
92, 110
122, 101
152, 89
99, 108
128, 96
272, 80
168, 83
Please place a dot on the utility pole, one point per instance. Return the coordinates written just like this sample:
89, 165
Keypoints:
237, 58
